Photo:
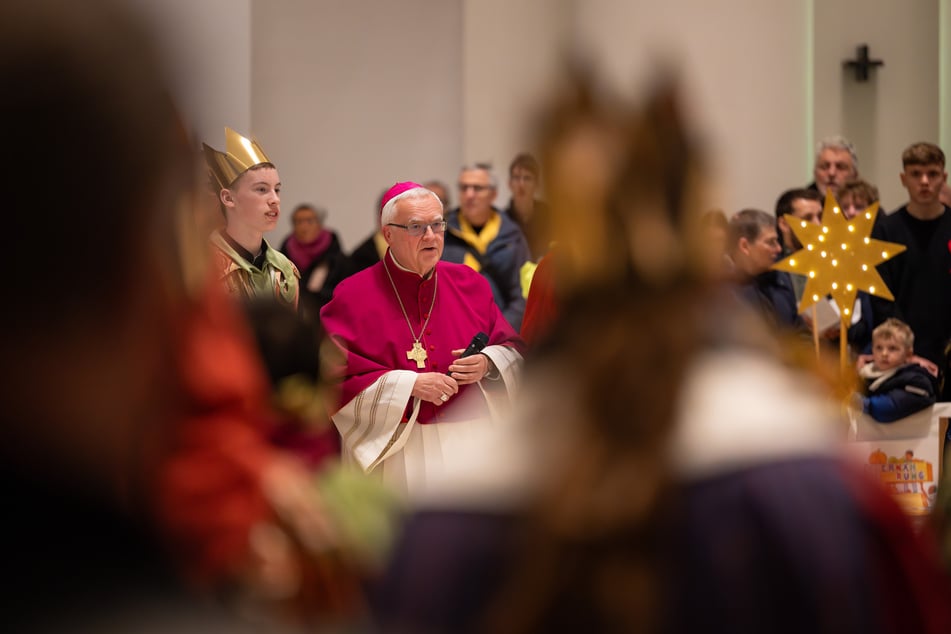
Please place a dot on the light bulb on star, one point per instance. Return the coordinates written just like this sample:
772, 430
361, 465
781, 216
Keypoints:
839, 257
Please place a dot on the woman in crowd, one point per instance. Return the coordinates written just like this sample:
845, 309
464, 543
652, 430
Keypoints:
315, 251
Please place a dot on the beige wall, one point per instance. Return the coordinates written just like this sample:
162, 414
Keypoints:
899, 104
353, 96
320, 68
743, 64
349, 97
208, 48
511, 53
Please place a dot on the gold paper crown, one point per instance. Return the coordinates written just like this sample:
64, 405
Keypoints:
241, 154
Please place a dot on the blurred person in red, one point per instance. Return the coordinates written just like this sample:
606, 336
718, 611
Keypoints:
694, 483
134, 370
541, 306
95, 318
238, 500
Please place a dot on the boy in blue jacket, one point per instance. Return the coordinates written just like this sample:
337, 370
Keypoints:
895, 386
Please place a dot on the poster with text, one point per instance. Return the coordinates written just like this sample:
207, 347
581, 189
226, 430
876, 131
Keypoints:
904, 456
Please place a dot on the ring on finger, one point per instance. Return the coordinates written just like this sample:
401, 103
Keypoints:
443, 397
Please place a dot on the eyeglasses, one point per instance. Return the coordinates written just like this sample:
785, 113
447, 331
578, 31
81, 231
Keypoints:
417, 229
476, 188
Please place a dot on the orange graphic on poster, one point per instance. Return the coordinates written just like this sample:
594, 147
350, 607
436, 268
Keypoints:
910, 480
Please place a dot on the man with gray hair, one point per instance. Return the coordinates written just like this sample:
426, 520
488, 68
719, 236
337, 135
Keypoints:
836, 164
488, 241
753, 246
414, 397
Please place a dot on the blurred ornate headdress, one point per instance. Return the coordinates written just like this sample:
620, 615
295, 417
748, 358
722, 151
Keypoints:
241, 154
626, 188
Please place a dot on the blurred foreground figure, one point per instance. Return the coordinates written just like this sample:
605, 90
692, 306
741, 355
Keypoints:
135, 392
100, 163
690, 480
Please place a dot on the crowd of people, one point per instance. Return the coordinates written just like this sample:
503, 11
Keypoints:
919, 278
480, 419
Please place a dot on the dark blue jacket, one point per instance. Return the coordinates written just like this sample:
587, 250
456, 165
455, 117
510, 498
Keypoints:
501, 264
908, 390
772, 294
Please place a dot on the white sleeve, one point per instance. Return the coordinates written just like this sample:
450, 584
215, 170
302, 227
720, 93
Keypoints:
508, 362
369, 424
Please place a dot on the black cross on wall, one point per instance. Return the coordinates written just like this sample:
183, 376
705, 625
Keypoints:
862, 63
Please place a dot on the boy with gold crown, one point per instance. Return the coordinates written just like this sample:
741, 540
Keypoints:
249, 190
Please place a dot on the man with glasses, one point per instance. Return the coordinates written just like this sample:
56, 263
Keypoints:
409, 409
753, 246
488, 241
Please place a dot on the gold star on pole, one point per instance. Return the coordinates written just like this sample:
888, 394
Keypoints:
838, 258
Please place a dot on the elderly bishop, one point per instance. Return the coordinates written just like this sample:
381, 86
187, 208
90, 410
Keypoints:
411, 403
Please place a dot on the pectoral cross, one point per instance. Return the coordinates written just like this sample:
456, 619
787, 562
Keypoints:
417, 354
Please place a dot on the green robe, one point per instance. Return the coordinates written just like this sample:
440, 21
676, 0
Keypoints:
279, 279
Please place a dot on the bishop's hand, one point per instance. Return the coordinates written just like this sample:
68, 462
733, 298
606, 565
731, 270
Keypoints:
435, 387
469, 369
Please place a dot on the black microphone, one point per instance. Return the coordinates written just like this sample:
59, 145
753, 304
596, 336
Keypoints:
475, 346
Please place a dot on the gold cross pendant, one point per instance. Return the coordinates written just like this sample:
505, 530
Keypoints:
417, 354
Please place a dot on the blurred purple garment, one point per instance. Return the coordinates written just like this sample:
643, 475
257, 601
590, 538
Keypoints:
803, 545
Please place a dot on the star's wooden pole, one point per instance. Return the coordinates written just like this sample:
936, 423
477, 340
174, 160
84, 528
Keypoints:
843, 343
815, 329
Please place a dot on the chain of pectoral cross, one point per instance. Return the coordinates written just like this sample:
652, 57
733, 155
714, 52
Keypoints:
417, 353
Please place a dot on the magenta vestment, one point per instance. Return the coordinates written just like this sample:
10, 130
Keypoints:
364, 318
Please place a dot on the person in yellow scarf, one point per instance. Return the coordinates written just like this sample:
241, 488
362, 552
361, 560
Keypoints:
488, 241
